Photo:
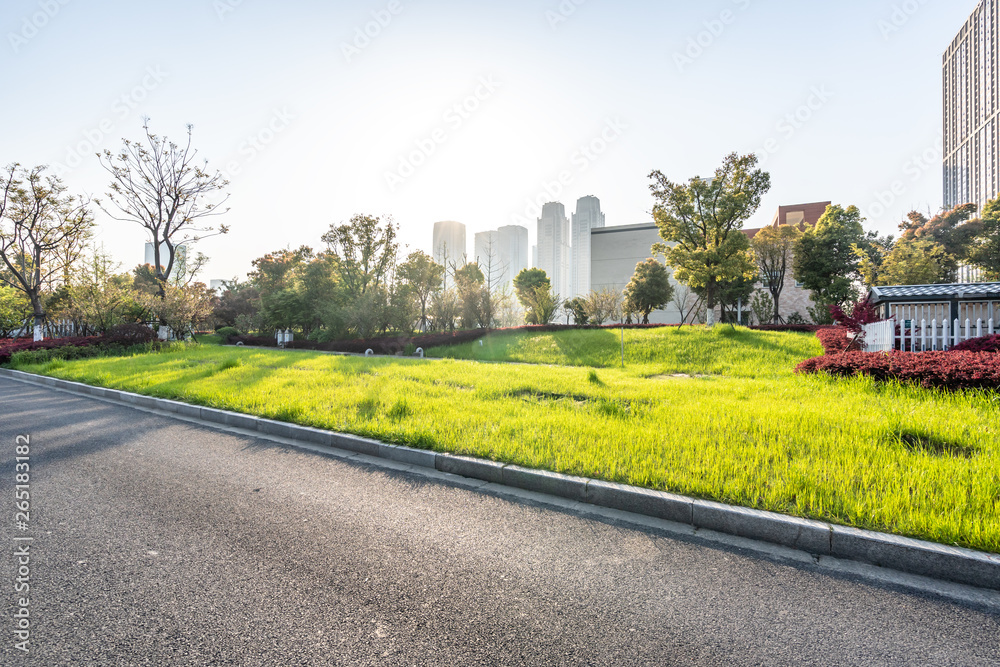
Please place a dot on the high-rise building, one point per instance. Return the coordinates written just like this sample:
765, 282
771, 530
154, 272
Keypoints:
554, 254
502, 254
449, 245
588, 217
514, 249
972, 110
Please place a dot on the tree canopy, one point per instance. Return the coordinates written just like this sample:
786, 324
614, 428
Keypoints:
649, 289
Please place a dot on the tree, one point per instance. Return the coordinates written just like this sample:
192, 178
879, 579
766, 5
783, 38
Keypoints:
239, 307
445, 309
15, 310
534, 291
703, 221
183, 308
160, 186
954, 229
424, 276
984, 250
364, 252
470, 284
101, 298
773, 248
649, 289
825, 260
604, 305
917, 261
871, 254
762, 306
577, 307
37, 219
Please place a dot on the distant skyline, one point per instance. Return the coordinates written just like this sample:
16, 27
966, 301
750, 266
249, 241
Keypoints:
480, 111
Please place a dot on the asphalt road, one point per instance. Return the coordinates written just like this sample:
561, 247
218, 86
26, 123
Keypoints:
161, 542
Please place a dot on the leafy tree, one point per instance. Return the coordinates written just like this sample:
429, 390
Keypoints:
101, 299
445, 309
984, 250
470, 284
37, 219
603, 305
700, 223
578, 309
649, 289
239, 307
530, 285
954, 230
185, 308
917, 261
424, 277
773, 248
762, 306
364, 253
161, 186
871, 254
825, 259
15, 310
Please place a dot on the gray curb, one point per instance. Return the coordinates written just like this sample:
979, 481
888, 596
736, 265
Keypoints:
938, 561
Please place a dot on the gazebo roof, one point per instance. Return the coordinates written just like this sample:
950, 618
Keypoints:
953, 292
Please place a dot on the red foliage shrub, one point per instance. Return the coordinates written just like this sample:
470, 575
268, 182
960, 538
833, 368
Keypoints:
129, 334
938, 370
984, 344
803, 328
863, 313
835, 340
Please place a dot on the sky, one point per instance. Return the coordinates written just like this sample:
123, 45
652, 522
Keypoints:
477, 110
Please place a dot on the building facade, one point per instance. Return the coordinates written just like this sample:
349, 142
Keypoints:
587, 218
449, 245
972, 110
554, 253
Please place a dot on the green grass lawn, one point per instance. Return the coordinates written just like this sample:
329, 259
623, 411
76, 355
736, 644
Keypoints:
744, 429
724, 350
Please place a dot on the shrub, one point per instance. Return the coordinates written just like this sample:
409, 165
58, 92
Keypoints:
129, 334
253, 341
940, 370
984, 344
835, 340
803, 328
227, 332
863, 313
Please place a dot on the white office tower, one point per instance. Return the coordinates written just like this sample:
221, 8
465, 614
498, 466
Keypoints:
487, 256
180, 257
588, 217
449, 246
514, 250
554, 253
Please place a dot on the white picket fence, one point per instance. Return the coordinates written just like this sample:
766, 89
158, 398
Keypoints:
923, 336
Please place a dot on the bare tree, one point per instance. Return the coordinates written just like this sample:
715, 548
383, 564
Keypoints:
160, 186
494, 272
37, 219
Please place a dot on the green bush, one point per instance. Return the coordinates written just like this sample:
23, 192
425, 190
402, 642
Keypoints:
227, 332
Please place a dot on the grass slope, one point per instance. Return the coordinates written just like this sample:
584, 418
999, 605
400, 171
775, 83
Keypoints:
722, 350
884, 457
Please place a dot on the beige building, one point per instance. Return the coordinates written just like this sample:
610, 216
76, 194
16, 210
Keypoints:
615, 251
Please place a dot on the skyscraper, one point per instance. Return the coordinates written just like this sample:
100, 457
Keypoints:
554, 252
502, 254
449, 245
588, 217
972, 110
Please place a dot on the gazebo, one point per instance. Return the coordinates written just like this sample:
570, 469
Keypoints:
936, 317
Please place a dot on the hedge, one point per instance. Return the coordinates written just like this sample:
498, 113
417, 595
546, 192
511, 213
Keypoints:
934, 370
125, 335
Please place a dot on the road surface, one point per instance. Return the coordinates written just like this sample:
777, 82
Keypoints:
162, 542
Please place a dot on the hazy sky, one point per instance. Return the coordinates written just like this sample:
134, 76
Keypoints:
470, 110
